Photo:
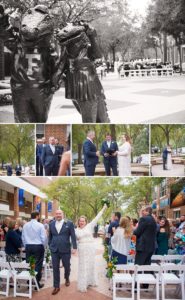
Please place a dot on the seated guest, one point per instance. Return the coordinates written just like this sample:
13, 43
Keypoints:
13, 243
121, 241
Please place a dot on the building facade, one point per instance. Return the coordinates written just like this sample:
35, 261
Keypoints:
20, 196
169, 198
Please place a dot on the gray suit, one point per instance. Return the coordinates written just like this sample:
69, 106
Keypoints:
60, 246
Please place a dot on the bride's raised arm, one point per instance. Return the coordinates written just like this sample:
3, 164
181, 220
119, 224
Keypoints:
96, 219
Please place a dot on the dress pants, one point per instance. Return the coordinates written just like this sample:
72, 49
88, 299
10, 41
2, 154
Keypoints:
56, 257
90, 170
38, 252
164, 163
108, 166
143, 258
51, 170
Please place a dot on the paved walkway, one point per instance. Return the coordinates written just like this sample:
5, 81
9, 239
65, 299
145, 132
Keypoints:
129, 100
177, 170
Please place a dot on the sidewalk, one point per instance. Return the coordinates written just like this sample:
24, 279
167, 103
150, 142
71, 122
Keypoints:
101, 292
129, 100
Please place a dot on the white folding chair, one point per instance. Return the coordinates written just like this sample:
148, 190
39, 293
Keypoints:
23, 275
172, 259
157, 259
47, 269
173, 275
124, 278
2, 255
5, 274
147, 278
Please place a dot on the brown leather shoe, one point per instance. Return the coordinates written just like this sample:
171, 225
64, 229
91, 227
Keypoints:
55, 291
67, 283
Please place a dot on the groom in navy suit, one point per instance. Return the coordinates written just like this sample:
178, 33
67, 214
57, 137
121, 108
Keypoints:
91, 154
61, 234
108, 150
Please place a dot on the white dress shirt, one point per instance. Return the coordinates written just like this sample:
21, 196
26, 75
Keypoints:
33, 233
52, 148
108, 144
58, 225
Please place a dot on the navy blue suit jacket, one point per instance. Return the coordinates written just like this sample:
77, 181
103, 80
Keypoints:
104, 148
165, 153
60, 242
48, 158
89, 151
13, 242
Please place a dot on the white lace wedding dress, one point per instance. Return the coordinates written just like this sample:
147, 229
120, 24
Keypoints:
124, 159
169, 165
86, 254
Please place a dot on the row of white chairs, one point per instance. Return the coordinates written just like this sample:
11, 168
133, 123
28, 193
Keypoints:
147, 72
156, 275
161, 259
19, 272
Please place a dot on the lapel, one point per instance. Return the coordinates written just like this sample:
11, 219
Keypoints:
63, 226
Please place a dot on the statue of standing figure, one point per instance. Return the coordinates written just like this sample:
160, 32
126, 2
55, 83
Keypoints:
38, 69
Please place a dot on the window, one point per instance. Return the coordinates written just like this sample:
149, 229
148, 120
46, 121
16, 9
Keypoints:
163, 188
176, 214
3, 195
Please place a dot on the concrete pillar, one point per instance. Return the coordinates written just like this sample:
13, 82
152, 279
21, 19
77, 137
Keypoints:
46, 210
16, 203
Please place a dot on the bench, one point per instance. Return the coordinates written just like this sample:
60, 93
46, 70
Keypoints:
147, 72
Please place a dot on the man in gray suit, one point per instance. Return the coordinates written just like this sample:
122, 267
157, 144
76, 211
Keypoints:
60, 233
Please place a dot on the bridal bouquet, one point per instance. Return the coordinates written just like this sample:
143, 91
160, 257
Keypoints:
105, 201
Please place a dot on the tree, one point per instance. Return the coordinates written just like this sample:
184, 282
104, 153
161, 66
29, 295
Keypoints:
167, 17
17, 144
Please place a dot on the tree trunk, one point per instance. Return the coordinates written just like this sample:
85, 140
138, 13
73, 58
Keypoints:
2, 71
180, 58
113, 53
113, 131
165, 48
79, 153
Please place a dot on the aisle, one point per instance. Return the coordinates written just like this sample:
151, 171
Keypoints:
70, 293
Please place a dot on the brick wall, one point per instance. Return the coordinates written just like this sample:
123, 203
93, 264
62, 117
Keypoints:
58, 131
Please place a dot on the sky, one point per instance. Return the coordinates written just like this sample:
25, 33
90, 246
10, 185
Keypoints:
139, 5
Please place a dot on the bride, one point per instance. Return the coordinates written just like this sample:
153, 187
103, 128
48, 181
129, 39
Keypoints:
169, 158
124, 156
87, 251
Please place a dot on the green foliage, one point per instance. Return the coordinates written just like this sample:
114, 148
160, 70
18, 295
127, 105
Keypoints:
83, 196
32, 262
17, 144
162, 135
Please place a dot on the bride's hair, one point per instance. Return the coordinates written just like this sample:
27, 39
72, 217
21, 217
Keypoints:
126, 224
82, 217
127, 138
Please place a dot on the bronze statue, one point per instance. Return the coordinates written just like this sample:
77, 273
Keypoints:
38, 69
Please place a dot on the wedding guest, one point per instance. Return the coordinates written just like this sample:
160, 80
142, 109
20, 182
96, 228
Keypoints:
87, 252
146, 237
163, 237
39, 150
91, 154
124, 156
121, 240
9, 170
50, 158
34, 240
65, 164
60, 150
180, 241
19, 226
13, 242
108, 150
18, 170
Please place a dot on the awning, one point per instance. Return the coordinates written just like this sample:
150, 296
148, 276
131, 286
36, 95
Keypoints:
22, 184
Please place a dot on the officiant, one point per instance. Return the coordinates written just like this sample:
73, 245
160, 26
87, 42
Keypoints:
108, 151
